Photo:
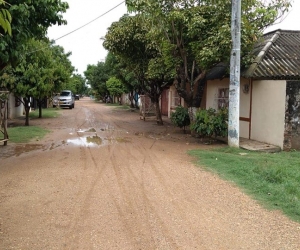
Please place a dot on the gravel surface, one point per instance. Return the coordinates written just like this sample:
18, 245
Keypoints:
104, 179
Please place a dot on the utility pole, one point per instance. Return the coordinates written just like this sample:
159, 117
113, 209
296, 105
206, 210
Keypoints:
234, 86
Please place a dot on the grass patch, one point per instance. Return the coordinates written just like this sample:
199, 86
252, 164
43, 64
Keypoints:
26, 133
272, 179
46, 113
126, 107
113, 104
118, 106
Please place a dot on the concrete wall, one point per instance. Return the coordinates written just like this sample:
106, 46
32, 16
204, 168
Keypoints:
212, 101
268, 111
13, 111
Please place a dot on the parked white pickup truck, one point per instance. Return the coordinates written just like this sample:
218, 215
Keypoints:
65, 99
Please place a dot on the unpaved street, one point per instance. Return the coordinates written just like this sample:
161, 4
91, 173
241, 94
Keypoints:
104, 179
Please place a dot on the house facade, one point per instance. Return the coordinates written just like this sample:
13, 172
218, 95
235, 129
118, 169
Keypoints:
15, 107
269, 92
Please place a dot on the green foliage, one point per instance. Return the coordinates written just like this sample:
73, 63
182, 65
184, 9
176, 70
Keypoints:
41, 73
273, 179
140, 52
38, 74
97, 76
196, 35
47, 113
115, 86
210, 122
26, 134
5, 19
76, 83
180, 117
30, 19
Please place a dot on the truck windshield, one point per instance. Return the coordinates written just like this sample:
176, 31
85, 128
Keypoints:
65, 93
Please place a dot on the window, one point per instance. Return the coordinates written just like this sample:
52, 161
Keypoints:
175, 101
223, 98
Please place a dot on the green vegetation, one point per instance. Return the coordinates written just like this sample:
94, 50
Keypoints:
272, 179
180, 118
47, 113
25, 134
211, 122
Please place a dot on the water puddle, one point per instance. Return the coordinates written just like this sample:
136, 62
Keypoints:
91, 130
96, 141
87, 141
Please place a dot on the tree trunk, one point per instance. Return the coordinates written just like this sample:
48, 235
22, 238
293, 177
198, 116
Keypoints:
40, 108
158, 113
27, 109
192, 113
131, 97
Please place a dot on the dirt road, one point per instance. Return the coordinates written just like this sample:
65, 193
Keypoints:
104, 179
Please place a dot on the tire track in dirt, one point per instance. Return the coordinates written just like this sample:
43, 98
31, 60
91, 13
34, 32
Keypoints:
89, 179
134, 197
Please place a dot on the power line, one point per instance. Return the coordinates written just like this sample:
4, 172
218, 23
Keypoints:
90, 21
31, 52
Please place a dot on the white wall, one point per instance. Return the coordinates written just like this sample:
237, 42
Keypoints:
14, 112
268, 112
212, 101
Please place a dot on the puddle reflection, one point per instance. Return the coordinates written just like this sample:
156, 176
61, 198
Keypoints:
95, 141
89, 141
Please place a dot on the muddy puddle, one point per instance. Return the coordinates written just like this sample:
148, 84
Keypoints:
87, 141
90, 138
96, 141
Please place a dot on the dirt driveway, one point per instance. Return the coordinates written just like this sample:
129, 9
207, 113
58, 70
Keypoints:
104, 179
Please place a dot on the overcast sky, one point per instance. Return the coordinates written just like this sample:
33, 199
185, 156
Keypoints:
85, 44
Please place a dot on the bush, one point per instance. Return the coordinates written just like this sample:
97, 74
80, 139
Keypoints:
210, 122
180, 118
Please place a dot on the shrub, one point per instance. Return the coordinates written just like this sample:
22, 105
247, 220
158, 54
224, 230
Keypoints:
210, 122
180, 117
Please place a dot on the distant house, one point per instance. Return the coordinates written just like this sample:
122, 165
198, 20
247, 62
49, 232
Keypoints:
14, 107
269, 91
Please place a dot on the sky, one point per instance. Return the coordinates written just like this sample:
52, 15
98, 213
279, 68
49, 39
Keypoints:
86, 44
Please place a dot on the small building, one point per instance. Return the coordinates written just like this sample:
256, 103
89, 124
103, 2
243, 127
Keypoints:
269, 92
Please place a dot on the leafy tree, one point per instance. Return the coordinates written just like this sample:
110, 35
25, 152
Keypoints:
97, 76
119, 69
115, 87
64, 67
5, 19
30, 19
139, 53
77, 84
197, 36
37, 75
180, 117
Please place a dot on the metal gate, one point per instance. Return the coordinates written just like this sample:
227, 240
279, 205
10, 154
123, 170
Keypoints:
147, 108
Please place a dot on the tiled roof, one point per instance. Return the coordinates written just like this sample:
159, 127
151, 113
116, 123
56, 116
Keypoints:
277, 57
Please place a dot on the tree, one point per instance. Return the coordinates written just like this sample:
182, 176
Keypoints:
128, 40
77, 84
30, 19
119, 70
197, 36
64, 67
97, 76
37, 75
115, 87
5, 19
